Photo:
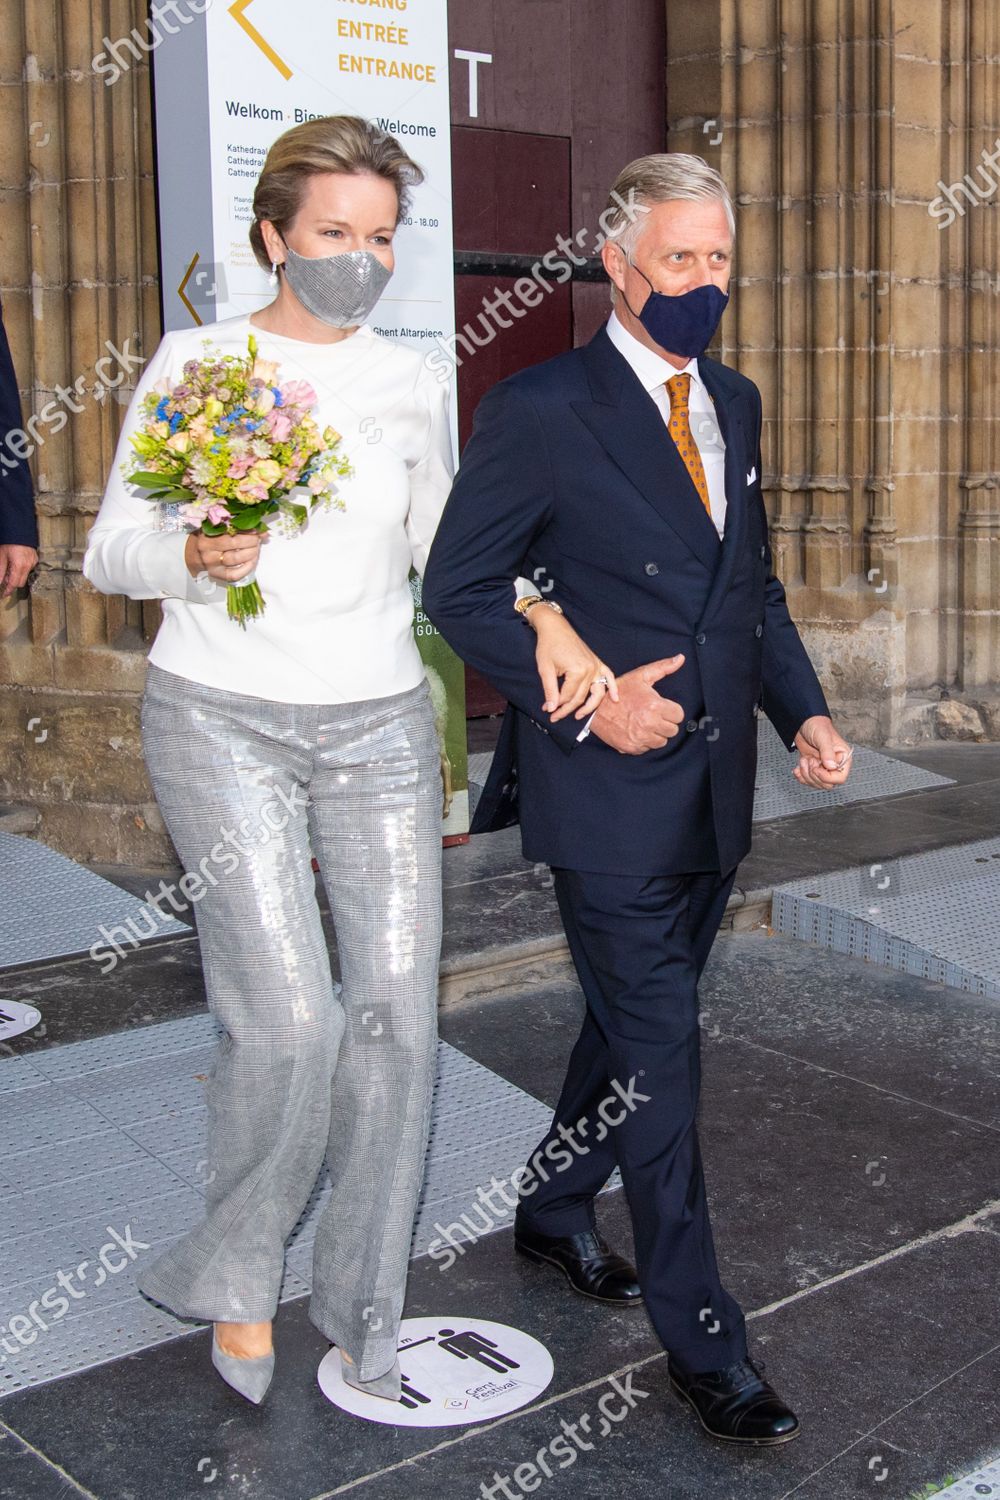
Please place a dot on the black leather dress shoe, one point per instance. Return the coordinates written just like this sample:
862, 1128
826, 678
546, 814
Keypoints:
589, 1264
736, 1403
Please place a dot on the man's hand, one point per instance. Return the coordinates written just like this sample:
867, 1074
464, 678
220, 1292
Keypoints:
641, 720
16, 563
825, 758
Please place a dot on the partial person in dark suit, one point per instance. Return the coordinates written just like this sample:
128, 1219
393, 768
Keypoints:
627, 475
18, 528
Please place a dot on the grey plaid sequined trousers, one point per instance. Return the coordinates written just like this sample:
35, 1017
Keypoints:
250, 790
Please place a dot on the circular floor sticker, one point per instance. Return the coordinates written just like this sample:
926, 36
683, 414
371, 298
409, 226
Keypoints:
16, 1018
455, 1371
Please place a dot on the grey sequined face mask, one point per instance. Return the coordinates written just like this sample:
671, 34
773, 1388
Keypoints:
338, 289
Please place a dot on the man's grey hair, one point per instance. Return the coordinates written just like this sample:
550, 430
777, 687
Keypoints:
660, 178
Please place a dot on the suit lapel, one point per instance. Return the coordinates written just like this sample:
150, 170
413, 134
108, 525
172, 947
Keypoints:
627, 424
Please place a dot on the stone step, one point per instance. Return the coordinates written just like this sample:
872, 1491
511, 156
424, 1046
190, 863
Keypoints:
18, 819
473, 973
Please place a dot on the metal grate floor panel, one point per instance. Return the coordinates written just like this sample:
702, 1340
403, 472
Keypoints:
51, 907
984, 1482
934, 915
111, 1137
778, 794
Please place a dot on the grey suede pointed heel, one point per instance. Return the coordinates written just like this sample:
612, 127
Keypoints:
388, 1385
250, 1377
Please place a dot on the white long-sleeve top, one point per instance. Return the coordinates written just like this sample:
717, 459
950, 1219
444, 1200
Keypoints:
337, 627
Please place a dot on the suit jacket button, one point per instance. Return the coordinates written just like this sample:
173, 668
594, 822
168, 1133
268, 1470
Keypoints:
759, 630
652, 569
701, 639
691, 725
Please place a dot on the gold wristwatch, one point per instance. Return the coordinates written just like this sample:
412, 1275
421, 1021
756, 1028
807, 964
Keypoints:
523, 605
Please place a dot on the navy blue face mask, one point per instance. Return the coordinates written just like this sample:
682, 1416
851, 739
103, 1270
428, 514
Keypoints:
684, 324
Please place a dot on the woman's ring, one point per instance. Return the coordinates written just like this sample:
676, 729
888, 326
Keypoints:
599, 681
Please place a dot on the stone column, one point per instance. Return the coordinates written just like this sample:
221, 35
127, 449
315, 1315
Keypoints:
868, 325
979, 519
80, 281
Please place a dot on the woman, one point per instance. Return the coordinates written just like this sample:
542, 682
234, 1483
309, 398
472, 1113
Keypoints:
319, 710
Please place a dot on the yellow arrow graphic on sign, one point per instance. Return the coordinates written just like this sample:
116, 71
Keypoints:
184, 281
237, 13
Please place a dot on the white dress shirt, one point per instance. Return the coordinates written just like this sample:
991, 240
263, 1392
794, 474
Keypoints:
338, 621
653, 371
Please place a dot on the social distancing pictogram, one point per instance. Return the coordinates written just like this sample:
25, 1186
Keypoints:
454, 1371
16, 1018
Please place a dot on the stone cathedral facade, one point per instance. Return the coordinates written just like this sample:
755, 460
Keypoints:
862, 144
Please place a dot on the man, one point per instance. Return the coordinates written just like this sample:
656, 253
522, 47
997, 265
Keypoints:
18, 529
628, 475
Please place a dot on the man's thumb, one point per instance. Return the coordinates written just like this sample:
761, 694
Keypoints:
663, 668
826, 752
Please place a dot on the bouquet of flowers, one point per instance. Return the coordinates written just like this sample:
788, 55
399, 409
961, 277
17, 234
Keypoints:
230, 446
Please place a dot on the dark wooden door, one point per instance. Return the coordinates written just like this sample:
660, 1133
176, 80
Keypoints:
511, 201
549, 100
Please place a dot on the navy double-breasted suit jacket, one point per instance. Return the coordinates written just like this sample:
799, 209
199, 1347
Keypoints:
570, 477
17, 500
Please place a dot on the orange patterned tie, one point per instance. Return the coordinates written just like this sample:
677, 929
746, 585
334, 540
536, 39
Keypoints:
679, 389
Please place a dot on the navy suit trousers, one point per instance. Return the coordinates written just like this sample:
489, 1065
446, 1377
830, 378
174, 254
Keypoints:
639, 944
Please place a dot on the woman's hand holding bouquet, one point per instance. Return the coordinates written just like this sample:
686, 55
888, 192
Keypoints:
228, 447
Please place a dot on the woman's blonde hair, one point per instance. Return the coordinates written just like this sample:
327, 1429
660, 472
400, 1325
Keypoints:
333, 143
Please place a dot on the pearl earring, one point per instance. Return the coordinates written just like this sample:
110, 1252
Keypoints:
273, 278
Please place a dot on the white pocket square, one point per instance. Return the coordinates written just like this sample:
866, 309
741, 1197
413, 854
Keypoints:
752, 475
